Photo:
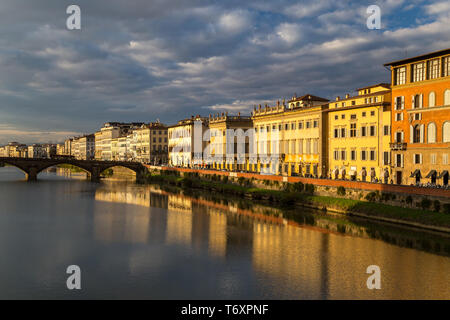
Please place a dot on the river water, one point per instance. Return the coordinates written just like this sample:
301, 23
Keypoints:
143, 242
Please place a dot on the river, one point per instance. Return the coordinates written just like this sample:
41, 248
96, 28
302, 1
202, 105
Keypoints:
145, 242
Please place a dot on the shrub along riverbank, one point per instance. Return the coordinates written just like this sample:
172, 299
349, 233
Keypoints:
298, 194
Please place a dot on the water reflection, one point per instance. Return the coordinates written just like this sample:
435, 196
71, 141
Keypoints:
314, 253
136, 241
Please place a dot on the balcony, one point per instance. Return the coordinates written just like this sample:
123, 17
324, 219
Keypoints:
398, 146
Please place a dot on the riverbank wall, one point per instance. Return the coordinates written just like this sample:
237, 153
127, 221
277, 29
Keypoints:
396, 195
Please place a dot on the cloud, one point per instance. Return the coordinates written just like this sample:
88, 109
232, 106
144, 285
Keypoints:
168, 59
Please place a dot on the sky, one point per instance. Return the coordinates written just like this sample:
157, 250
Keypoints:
148, 60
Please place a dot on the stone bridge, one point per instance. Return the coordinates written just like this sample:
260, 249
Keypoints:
31, 167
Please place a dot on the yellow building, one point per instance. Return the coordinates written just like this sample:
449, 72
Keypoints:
235, 158
290, 139
359, 135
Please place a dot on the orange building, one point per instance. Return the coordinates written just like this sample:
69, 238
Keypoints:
421, 118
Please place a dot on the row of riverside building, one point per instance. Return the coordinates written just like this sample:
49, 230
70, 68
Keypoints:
391, 133
396, 132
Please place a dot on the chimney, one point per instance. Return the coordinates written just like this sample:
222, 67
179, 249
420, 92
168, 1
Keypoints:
347, 96
338, 98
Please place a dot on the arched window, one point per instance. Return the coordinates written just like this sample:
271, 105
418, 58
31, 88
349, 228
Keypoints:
416, 134
417, 101
446, 132
432, 99
447, 97
431, 133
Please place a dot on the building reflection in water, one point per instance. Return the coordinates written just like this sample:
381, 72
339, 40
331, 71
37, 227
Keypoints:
293, 259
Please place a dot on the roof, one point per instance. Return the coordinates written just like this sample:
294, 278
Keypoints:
418, 58
386, 85
309, 97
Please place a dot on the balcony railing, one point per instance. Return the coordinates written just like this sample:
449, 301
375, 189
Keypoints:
398, 145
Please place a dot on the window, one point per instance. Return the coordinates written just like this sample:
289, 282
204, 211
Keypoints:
343, 132
336, 154
416, 134
363, 114
353, 116
417, 116
433, 158
399, 117
286, 126
343, 116
434, 69
386, 158
418, 71
400, 75
336, 117
308, 146
417, 101
353, 103
316, 146
372, 113
343, 155
353, 130
343, 104
363, 155
399, 136
293, 126
316, 124
300, 125
447, 97
308, 124
446, 132
336, 133
399, 103
300, 146
399, 160
446, 66
387, 130
432, 99
373, 131
417, 159
363, 131
353, 155
431, 133
372, 155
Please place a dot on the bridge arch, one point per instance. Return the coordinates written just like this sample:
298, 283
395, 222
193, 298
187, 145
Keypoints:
32, 167
79, 166
12, 164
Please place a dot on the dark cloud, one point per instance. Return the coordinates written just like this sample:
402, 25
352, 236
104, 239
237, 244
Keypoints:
139, 60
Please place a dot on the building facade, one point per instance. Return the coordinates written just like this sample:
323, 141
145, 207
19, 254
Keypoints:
223, 130
359, 133
290, 139
105, 137
150, 144
83, 148
186, 142
37, 151
421, 118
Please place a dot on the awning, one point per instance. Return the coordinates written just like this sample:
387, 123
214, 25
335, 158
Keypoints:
415, 174
443, 173
363, 172
431, 173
